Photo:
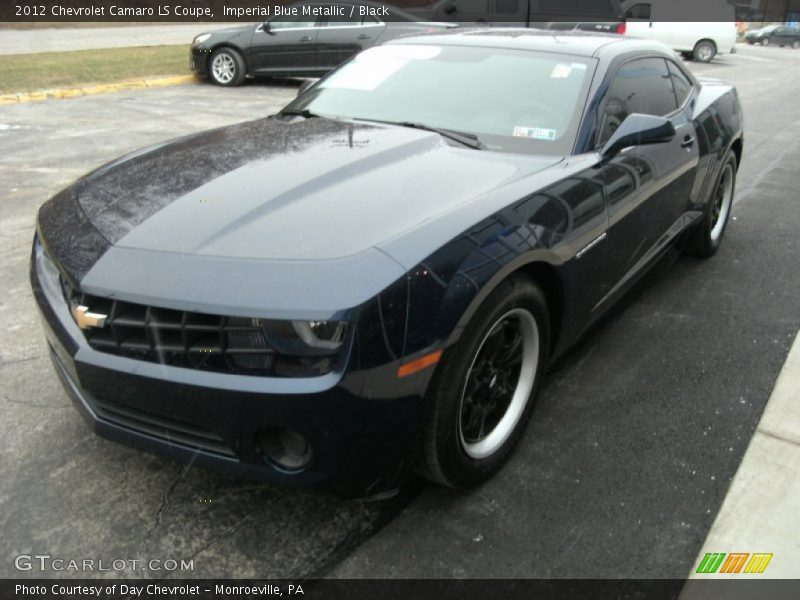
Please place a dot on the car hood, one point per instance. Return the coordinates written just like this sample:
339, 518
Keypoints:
314, 191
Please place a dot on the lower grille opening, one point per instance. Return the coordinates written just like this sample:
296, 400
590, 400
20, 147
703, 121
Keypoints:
165, 428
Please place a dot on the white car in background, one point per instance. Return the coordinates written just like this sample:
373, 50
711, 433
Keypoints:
701, 41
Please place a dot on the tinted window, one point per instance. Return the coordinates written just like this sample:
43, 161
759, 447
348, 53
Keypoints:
507, 7
472, 6
640, 86
347, 18
639, 11
682, 85
578, 6
291, 22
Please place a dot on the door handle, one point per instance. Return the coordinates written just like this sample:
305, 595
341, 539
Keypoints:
688, 142
305, 39
364, 36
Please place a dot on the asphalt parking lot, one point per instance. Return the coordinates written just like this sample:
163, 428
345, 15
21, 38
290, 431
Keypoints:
636, 437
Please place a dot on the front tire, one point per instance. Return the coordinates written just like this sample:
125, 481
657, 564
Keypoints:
704, 51
226, 67
765, 41
484, 390
706, 237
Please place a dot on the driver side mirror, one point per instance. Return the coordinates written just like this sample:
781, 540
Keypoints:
266, 27
638, 130
450, 9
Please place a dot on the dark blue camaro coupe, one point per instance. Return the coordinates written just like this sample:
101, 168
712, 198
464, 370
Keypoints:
373, 281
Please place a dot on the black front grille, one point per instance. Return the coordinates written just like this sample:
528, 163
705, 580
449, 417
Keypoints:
206, 342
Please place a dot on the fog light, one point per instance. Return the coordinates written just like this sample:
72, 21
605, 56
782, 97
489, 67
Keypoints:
286, 449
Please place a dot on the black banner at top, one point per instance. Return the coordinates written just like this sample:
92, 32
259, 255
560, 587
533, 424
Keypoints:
482, 12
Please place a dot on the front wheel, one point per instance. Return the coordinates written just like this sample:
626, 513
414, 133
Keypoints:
226, 67
483, 392
707, 235
765, 42
704, 51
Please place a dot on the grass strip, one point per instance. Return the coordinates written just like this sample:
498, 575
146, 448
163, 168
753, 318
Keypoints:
50, 70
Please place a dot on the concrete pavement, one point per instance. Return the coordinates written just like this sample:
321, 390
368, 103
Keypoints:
761, 513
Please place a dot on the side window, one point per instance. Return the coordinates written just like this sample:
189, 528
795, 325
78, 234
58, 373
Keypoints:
639, 11
291, 22
581, 7
506, 7
683, 87
346, 20
472, 6
640, 86
350, 20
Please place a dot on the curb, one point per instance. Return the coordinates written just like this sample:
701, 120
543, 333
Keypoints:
104, 88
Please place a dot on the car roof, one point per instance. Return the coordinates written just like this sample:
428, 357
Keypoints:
575, 43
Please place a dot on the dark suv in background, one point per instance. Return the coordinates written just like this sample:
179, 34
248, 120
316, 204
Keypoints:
600, 15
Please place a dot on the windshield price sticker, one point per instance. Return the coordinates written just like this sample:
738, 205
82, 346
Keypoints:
537, 133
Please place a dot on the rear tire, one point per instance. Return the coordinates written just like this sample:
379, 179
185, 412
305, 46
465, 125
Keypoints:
765, 41
704, 51
226, 67
706, 237
485, 387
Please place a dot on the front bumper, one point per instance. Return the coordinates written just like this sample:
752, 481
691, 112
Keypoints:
362, 431
198, 60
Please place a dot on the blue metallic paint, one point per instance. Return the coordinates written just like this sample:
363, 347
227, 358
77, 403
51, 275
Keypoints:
408, 283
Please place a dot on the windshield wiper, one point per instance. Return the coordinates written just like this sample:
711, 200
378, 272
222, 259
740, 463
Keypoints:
299, 113
467, 139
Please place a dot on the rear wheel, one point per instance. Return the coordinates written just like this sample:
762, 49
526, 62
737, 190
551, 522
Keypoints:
704, 51
707, 235
483, 392
226, 67
765, 41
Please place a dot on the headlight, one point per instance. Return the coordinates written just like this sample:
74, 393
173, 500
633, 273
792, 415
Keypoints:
306, 338
201, 38
326, 335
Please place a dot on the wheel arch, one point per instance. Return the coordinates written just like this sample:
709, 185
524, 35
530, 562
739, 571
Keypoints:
548, 278
543, 270
707, 39
226, 44
737, 147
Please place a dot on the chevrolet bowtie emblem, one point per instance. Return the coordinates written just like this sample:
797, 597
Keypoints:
86, 319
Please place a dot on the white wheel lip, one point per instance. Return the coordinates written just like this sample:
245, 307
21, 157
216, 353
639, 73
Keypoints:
527, 377
726, 180
223, 67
